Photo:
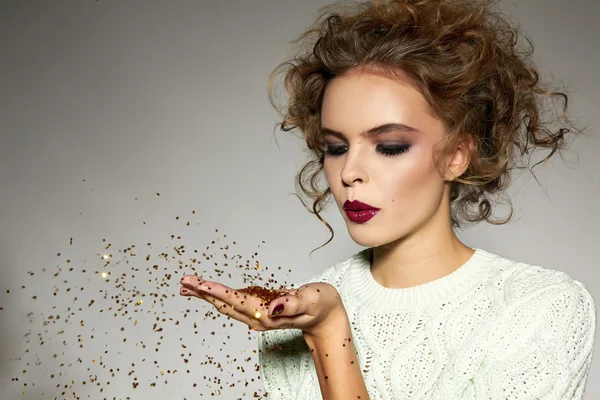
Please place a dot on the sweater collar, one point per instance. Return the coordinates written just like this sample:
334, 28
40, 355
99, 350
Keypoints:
435, 292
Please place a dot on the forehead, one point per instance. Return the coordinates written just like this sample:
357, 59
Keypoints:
361, 100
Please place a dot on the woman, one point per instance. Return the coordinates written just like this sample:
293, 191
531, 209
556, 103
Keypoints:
416, 111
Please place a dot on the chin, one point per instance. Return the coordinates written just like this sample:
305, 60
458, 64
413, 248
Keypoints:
365, 237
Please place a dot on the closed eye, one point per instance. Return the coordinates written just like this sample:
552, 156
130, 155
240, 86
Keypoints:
390, 151
386, 150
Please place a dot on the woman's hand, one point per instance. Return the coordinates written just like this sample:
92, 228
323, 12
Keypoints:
315, 308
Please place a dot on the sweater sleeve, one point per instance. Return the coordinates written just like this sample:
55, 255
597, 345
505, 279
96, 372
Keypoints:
281, 363
543, 349
286, 365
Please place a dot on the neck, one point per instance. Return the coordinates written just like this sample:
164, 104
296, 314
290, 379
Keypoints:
428, 254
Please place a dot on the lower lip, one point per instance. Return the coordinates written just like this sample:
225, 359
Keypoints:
361, 216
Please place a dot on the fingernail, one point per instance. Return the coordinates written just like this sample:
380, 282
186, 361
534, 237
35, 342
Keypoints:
277, 310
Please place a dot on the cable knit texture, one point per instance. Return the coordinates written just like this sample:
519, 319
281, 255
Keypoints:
492, 329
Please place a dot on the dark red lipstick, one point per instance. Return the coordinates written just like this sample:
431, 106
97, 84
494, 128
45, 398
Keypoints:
359, 212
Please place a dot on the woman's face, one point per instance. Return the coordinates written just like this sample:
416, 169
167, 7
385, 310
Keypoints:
380, 140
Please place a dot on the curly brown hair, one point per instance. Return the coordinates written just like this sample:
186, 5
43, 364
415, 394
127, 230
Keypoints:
462, 56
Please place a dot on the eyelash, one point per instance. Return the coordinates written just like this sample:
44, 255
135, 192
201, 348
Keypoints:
388, 151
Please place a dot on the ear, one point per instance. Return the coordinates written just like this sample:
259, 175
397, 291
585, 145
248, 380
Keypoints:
459, 159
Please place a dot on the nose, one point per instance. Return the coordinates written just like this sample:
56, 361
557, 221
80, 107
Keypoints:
353, 171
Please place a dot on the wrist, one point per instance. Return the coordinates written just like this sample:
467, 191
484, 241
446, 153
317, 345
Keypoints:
336, 361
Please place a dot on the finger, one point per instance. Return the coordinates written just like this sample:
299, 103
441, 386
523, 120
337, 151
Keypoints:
302, 302
214, 288
253, 321
287, 306
277, 307
243, 302
244, 308
196, 284
185, 291
191, 280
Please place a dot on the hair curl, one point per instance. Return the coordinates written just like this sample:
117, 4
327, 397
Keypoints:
462, 56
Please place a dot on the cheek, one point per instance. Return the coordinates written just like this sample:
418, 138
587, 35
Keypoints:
413, 183
332, 168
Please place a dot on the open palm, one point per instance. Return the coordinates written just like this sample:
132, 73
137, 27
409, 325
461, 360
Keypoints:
307, 308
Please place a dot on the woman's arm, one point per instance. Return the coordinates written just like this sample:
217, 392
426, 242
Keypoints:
336, 363
315, 308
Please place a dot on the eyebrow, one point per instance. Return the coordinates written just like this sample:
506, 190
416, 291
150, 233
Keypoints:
385, 128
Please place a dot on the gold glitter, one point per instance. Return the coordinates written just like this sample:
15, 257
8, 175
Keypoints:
134, 282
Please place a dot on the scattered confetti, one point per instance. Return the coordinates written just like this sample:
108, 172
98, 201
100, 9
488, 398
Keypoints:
129, 303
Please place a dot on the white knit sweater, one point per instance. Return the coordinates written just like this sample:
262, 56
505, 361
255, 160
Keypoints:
492, 329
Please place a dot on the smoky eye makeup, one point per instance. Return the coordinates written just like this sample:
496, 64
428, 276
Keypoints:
392, 149
335, 150
388, 149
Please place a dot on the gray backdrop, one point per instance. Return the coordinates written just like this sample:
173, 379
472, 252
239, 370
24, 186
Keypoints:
106, 104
